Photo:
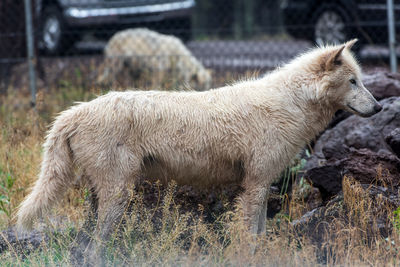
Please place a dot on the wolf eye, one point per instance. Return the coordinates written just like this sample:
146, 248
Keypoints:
352, 81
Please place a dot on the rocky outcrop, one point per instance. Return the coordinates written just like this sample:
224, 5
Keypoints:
358, 147
364, 151
21, 242
315, 223
365, 208
382, 84
364, 165
360, 132
393, 140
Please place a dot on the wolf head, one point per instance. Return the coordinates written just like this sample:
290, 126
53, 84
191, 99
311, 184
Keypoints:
341, 81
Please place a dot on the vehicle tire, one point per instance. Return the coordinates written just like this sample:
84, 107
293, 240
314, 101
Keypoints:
55, 37
331, 25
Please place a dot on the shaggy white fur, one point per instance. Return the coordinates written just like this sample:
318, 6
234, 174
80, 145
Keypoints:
244, 133
141, 51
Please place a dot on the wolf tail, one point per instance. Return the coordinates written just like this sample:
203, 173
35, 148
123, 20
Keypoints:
55, 175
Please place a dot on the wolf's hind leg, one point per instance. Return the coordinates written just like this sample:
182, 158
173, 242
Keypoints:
85, 234
111, 207
114, 193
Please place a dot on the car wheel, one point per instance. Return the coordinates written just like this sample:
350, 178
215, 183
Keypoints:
331, 26
55, 37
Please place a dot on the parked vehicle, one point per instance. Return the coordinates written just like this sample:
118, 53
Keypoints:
63, 22
327, 21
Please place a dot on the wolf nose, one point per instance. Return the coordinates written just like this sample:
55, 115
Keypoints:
377, 107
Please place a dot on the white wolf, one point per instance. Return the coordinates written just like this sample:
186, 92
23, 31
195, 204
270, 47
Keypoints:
142, 51
244, 133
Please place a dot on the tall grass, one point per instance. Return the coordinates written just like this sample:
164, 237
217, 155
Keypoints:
166, 234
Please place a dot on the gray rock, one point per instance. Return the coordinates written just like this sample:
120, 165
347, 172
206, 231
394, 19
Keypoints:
360, 132
363, 165
393, 140
382, 84
335, 152
315, 223
318, 224
327, 178
21, 242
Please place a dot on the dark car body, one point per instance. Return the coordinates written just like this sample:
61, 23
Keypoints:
73, 18
363, 19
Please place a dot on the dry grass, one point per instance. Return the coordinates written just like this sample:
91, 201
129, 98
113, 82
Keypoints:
164, 234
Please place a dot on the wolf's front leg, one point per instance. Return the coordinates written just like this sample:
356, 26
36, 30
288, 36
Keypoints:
263, 215
256, 184
253, 206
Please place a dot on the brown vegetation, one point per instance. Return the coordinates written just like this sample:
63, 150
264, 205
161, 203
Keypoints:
168, 233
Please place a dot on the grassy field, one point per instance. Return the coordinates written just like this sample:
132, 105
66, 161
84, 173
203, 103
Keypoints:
164, 233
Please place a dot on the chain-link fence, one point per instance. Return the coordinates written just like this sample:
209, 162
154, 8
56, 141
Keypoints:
190, 42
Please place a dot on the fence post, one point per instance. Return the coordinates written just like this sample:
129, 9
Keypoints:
30, 51
392, 36
249, 17
238, 19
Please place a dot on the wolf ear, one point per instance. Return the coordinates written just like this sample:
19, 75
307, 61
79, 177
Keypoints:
350, 43
332, 59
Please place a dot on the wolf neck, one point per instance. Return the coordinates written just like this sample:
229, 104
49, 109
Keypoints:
296, 96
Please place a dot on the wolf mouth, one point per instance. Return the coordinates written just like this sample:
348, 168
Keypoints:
353, 109
364, 115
